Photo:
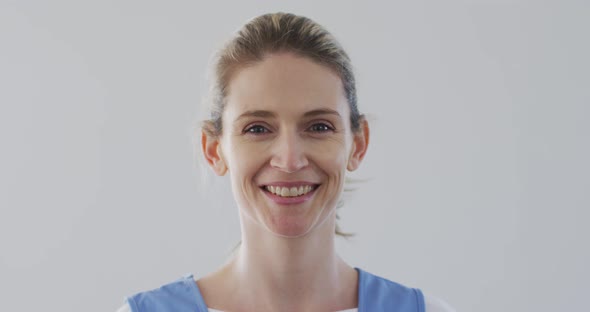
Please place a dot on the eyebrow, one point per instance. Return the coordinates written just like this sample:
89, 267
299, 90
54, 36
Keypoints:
269, 114
257, 113
321, 111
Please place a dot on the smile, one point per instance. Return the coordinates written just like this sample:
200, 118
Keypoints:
290, 193
293, 191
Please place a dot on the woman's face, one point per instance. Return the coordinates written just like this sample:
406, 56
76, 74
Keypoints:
287, 143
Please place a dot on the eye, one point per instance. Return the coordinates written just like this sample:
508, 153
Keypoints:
320, 127
256, 130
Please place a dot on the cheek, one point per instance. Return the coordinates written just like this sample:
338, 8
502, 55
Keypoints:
244, 162
331, 164
331, 155
242, 157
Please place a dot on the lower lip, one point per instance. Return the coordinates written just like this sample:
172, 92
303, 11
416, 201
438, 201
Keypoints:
290, 200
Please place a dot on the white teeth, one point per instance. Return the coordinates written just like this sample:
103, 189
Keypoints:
289, 192
284, 191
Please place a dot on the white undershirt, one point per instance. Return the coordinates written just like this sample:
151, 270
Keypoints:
432, 304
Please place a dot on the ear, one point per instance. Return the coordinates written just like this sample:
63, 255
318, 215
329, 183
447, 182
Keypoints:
360, 143
212, 151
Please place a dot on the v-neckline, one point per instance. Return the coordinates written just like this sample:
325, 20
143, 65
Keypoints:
203, 307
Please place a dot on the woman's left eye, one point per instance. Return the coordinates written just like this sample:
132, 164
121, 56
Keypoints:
320, 127
256, 129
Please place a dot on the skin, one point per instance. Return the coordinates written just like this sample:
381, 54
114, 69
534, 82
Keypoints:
300, 132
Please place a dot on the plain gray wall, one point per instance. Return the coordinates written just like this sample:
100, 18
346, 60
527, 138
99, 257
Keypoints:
478, 162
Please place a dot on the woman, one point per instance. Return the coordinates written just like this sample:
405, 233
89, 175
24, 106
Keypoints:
285, 127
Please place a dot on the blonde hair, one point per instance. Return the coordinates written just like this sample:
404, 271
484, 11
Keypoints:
274, 33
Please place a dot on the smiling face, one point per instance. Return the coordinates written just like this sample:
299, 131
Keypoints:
286, 143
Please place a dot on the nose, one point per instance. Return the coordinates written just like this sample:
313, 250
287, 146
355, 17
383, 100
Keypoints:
289, 153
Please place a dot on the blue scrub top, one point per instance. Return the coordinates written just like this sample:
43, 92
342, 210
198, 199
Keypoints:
375, 294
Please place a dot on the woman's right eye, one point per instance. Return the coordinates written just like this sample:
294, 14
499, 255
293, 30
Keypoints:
256, 129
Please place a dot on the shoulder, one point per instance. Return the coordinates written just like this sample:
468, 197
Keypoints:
434, 304
180, 295
379, 293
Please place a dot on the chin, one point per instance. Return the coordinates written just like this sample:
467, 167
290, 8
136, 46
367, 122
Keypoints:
289, 228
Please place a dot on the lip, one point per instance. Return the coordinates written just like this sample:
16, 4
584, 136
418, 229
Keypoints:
290, 183
290, 200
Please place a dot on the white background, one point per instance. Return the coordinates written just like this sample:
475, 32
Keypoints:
478, 163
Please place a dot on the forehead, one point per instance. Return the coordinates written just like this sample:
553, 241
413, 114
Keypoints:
285, 83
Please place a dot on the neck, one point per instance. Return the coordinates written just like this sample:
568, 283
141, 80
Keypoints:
293, 274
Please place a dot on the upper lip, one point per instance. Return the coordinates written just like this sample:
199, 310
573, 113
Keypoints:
289, 183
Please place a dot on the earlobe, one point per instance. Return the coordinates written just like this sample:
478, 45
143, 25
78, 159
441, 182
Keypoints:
360, 144
212, 151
